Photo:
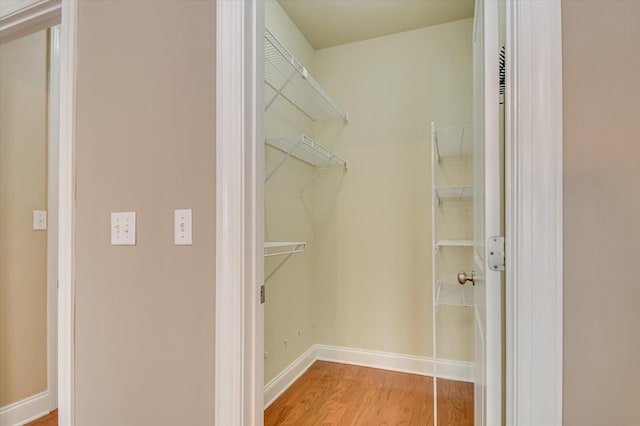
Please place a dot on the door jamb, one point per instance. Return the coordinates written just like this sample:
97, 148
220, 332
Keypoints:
534, 215
533, 191
239, 364
52, 219
17, 19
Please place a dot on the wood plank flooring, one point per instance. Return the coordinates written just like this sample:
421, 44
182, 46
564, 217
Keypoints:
50, 419
340, 394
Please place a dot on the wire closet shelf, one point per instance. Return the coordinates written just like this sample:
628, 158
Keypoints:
453, 142
304, 149
289, 79
453, 295
453, 192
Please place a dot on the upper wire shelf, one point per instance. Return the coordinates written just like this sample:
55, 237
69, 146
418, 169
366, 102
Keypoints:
453, 142
291, 80
305, 149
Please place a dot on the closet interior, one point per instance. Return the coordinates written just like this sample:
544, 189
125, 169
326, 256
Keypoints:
368, 209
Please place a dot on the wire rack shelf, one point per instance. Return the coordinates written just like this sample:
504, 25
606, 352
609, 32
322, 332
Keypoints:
289, 79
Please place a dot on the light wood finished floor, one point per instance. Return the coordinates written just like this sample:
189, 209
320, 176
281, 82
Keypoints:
340, 394
50, 419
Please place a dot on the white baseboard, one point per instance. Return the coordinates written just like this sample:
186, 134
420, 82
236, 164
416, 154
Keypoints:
423, 366
26, 410
282, 381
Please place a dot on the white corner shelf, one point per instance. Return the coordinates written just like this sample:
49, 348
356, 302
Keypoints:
454, 294
453, 192
453, 243
452, 142
290, 80
304, 149
286, 249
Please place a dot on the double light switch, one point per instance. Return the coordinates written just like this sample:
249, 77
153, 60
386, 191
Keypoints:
123, 229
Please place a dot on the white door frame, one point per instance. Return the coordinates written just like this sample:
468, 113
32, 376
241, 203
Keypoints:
52, 216
19, 18
533, 157
533, 213
239, 364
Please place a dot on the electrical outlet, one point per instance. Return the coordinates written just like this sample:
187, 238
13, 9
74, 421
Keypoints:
183, 227
39, 220
123, 229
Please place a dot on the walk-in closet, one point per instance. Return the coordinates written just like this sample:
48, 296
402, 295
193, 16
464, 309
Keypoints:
369, 207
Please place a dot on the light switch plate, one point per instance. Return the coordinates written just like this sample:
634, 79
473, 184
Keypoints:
123, 229
183, 227
39, 220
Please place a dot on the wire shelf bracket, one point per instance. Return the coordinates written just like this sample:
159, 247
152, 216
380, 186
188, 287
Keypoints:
308, 151
286, 249
291, 81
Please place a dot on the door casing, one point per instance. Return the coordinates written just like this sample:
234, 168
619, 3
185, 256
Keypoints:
533, 190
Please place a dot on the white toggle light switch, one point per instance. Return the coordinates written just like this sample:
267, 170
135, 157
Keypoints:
123, 229
183, 227
39, 219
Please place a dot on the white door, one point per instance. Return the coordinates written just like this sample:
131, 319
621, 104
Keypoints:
487, 214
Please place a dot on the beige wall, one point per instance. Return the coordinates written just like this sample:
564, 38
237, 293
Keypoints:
145, 143
601, 65
23, 189
373, 224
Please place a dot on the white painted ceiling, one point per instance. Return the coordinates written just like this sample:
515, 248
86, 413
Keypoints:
327, 23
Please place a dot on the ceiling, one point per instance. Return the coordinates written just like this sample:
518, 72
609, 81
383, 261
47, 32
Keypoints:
327, 23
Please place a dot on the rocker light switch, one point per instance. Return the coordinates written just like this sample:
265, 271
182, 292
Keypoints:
39, 220
183, 235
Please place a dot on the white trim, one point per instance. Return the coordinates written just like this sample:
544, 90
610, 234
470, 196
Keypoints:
239, 214
66, 221
289, 375
26, 410
22, 17
534, 213
52, 229
420, 365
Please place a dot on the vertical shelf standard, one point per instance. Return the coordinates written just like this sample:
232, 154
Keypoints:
447, 144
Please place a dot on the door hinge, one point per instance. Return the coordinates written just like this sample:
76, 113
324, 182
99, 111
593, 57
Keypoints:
262, 294
495, 254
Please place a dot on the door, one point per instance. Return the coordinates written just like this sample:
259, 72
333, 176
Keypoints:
487, 215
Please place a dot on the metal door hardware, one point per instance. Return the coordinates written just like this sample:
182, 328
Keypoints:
495, 253
463, 277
